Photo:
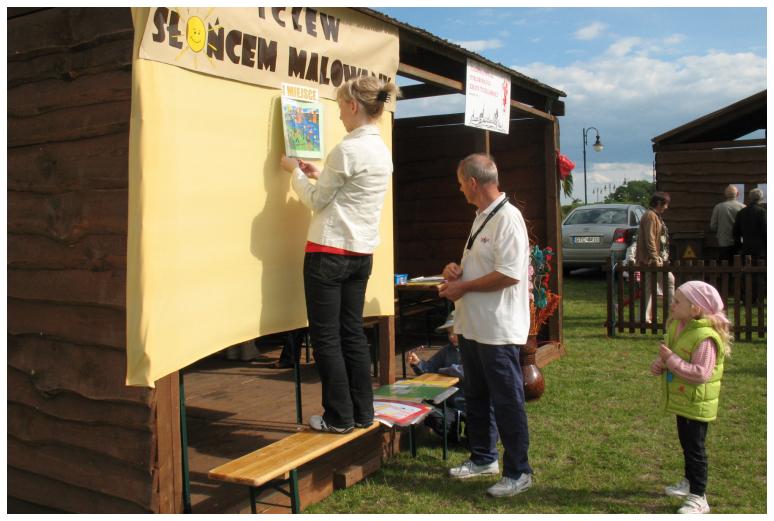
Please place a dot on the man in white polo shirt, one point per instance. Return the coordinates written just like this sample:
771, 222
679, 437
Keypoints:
491, 296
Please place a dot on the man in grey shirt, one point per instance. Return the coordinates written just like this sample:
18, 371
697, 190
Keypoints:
722, 223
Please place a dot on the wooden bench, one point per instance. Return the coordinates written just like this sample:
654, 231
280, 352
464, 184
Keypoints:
277, 464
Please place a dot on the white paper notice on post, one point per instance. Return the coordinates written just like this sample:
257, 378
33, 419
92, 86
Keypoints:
487, 98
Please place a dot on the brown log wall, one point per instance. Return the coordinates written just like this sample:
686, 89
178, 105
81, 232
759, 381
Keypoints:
79, 440
431, 217
696, 179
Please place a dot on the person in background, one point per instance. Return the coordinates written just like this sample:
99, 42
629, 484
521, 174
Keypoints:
346, 203
750, 236
447, 362
722, 223
691, 367
491, 293
291, 350
653, 247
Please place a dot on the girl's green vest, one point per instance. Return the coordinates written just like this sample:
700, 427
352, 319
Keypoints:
694, 401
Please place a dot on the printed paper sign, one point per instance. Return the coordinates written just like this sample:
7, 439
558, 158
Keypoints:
300, 92
487, 98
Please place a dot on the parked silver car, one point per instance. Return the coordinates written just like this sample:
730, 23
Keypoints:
593, 233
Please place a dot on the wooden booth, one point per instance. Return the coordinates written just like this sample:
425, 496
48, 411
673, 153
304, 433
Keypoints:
85, 262
696, 161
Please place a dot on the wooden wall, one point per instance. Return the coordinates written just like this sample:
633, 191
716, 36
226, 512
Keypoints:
432, 219
696, 179
79, 440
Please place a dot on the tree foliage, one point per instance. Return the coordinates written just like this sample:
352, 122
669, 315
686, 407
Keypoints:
567, 208
635, 192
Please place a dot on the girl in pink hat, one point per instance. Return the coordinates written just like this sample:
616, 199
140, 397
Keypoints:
690, 363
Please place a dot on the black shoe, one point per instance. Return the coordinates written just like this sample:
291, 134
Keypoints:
364, 425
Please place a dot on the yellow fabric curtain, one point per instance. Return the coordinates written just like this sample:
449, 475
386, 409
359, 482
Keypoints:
216, 234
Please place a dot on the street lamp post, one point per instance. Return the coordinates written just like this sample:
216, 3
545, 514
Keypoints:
597, 146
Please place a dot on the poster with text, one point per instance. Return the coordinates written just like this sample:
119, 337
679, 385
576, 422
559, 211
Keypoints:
487, 98
301, 123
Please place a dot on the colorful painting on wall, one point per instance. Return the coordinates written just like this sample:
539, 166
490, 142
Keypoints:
302, 123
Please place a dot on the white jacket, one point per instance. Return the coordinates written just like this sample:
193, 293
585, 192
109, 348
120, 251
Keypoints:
347, 200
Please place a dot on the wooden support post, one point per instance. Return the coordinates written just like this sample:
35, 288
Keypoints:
483, 142
295, 501
610, 275
184, 445
553, 222
386, 350
351, 474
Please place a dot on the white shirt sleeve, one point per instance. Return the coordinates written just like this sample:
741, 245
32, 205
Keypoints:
509, 253
332, 178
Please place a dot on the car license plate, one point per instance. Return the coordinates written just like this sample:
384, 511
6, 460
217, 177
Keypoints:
586, 239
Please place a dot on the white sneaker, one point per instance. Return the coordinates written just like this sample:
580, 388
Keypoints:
469, 469
318, 423
507, 487
680, 489
694, 505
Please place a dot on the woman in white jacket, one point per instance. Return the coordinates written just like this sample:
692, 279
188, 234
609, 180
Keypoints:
346, 204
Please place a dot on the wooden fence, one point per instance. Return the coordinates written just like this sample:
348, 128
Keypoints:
738, 284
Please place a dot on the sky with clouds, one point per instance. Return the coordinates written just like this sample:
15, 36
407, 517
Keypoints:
633, 73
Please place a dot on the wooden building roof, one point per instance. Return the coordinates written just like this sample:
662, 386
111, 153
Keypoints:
723, 125
441, 66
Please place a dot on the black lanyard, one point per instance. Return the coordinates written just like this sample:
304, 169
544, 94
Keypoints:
472, 238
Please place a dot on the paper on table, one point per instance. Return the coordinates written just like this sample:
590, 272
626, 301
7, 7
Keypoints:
390, 412
412, 392
431, 278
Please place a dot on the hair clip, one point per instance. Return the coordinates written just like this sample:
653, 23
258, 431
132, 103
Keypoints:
383, 96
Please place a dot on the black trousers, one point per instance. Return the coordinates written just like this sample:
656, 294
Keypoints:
727, 253
692, 434
335, 287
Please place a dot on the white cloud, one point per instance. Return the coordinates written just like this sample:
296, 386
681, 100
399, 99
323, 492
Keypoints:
481, 45
617, 173
637, 89
591, 31
604, 178
633, 97
623, 46
449, 104
674, 39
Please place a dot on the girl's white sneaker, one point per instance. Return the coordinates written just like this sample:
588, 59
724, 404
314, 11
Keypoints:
694, 505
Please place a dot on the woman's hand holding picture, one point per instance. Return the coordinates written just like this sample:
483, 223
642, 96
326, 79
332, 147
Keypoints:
289, 164
309, 169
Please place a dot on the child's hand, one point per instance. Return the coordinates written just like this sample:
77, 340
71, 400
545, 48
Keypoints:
664, 352
657, 367
413, 359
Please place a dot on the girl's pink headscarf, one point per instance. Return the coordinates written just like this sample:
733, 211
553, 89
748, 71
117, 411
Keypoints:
705, 297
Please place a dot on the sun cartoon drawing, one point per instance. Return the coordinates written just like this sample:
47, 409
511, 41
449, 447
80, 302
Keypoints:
196, 34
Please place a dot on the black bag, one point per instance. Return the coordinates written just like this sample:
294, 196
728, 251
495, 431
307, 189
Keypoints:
455, 424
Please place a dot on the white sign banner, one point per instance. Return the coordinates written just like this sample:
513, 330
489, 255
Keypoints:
487, 98
314, 48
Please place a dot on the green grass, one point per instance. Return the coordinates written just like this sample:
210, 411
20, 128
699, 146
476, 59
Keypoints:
599, 442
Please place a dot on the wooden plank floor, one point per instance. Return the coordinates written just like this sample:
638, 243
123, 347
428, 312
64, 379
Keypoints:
234, 407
